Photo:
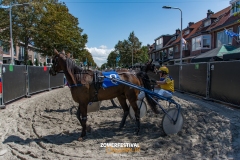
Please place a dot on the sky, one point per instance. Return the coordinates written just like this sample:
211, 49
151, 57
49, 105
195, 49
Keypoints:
108, 21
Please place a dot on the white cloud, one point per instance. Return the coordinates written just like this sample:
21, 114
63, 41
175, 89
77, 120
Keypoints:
99, 54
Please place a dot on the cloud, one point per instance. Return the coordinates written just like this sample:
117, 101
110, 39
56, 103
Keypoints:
99, 54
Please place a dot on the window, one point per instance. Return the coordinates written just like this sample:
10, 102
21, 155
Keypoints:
207, 23
201, 42
173, 38
239, 32
170, 53
186, 32
21, 53
235, 7
196, 43
6, 48
185, 47
223, 38
157, 56
206, 41
176, 48
159, 43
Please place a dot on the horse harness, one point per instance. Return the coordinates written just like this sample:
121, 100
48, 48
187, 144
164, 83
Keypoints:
97, 81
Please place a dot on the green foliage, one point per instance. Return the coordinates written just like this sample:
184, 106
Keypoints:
127, 48
45, 24
29, 62
86, 55
103, 66
111, 60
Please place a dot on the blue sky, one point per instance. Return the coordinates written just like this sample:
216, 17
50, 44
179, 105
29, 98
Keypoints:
108, 21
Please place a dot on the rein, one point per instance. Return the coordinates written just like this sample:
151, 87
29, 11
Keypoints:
74, 85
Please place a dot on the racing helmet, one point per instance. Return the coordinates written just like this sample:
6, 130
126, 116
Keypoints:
164, 70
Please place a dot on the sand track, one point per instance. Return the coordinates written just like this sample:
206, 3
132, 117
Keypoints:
45, 127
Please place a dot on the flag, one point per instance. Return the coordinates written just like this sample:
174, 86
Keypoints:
231, 33
118, 58
85, 63
184, 42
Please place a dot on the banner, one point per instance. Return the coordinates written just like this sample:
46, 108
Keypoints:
118, 58
231, 33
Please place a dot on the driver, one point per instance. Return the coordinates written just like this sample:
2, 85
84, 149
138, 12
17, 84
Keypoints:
166, 83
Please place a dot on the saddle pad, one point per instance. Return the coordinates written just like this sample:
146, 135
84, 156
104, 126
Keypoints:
107, 82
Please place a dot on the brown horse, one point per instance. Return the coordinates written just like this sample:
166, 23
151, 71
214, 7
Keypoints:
85, 88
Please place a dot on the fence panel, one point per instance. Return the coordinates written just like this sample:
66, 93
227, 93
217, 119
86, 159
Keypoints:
57, 81
174, 73
225, 82
193, 78
38, 79
13, 82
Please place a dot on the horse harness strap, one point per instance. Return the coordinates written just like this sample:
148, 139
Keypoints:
74, 85
97, 83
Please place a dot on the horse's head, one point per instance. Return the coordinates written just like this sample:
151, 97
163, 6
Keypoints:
148, 67
57, 63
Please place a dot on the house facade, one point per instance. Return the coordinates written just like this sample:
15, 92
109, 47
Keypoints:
199, 37
18, 55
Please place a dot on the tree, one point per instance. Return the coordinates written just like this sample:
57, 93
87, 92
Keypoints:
46, 24
111, 60
142, 55
86, 55
127, 48
103, 66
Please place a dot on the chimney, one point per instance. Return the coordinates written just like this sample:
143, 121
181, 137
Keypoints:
190, 23
209, 13
177, 31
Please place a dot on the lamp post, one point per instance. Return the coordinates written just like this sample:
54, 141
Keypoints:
132, 58
168, 7
10, 15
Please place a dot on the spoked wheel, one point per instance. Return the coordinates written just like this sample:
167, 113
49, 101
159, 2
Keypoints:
143, 110
168, 126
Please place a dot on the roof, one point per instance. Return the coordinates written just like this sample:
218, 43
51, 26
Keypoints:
152, 48
197, 28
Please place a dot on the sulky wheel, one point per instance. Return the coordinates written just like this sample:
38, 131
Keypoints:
167, 123
143, 110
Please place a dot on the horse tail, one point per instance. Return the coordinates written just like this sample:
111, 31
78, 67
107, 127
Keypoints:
146, 83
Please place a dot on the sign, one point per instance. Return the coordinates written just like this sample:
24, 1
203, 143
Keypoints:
11, 67
196, 66
45, 68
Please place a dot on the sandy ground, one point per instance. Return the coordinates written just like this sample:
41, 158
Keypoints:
45, 127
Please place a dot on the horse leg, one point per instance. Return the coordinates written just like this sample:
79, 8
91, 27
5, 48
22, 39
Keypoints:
78, 115
123, 103
137, 114
83, 120
113, 103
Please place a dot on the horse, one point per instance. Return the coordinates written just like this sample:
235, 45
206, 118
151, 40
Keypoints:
84, 88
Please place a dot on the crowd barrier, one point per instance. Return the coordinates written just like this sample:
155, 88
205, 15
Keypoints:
218, 81
22, 81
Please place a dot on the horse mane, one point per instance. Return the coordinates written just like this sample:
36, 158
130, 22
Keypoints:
146, 83
77, 73
70, 68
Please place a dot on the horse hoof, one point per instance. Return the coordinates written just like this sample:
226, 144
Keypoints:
81, 139
137, 132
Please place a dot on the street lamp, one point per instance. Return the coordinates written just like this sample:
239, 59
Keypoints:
168, 7
132, 58
10, 15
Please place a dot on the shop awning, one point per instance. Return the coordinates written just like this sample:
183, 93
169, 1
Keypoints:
215, 54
